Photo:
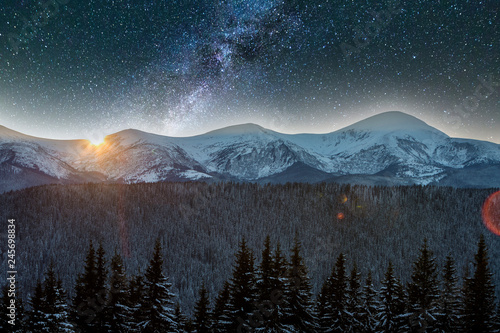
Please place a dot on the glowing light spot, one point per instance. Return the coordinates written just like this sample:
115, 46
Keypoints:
491, 213
340, 216
343, 199
96, 141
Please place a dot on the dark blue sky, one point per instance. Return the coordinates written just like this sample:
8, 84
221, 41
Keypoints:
82, 69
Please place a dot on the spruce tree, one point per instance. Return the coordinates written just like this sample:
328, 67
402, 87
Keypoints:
392, 304
265, 272
156, 312
117, 309
298, 293
323, 307
202, 315
479, 294
36, 317
87, 302
369, 306
333, 299
221, 313
338, 296
354, 301
274, 314
136, 293
62, 311
49, 311
448, 314
423, 291
101, 289
243, 291
54, 305
265, 285
179, 318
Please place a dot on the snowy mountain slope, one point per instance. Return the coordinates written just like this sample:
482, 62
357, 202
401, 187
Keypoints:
27, 161
403, 144
374, 144
389, 148
243, 152
135, 156
247, 152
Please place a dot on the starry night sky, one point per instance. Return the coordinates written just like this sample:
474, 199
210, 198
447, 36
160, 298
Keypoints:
83, 69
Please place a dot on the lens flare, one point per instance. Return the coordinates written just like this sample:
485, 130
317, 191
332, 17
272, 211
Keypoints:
491, 213
343, 199
340, 216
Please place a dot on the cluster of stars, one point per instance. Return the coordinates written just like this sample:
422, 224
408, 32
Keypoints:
185, 67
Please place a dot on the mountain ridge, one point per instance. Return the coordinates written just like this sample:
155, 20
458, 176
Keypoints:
390, 120
391, 148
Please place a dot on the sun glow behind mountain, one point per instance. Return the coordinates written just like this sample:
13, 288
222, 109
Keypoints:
97, 141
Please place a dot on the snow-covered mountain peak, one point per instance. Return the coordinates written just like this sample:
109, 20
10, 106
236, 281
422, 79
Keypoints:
131, 136
236, 130
389, 122
135, 133
390, 128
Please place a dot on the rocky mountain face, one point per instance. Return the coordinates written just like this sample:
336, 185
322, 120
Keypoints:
391, 148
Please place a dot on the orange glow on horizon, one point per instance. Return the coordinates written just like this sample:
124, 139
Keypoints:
491, 213
96, 142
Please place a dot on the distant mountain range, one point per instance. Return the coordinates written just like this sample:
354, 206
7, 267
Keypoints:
391, 148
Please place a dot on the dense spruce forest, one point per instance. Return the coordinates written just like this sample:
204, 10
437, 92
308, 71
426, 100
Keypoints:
339, 257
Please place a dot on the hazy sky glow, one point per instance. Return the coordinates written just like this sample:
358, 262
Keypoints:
83, 69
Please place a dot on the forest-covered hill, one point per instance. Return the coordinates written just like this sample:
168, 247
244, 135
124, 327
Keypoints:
200, 225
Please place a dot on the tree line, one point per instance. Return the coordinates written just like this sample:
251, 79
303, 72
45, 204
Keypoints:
271, 296
199, 226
